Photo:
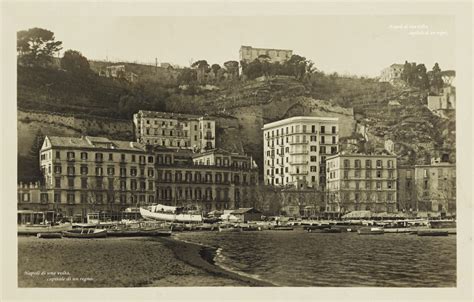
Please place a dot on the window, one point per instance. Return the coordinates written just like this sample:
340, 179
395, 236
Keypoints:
333, 129
57, 182
313, 138
322, 150
84, 170
390, 174
323, 129
313, 158
313, 168
313, 148
368, 163
99, 157
379, 174
98, 171
357, 163
133, 171
84, 155
346, 163
346, 174
58, 154
134, 158
334, 140
379, 163
322, 140
151, 172
390, 164
133, 184
70, 182
425, 185
84, 183
122, 157
70, 197
110, 171
389, 185
368, 174
379, 185
57, 169
150, 159
111, 184
367, 185
357, 174
111, 157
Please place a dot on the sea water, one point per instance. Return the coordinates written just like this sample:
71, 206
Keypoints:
298, 258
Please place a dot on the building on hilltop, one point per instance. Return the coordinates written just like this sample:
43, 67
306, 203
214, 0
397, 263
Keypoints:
248, 54
119, 72
175, 130
361, 182
392, 74
443, 103
295, 149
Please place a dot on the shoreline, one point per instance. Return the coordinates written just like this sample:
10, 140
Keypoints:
202, 257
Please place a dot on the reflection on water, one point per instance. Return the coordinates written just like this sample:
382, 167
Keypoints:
297, 258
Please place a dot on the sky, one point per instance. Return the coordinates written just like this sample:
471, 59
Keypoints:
346, 44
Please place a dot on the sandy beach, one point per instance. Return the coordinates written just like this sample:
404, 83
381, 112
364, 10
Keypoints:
120, 262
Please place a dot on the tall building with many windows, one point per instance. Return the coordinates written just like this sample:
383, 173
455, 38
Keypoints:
361, 182
212, 180
84, 174
175, 130
295, 150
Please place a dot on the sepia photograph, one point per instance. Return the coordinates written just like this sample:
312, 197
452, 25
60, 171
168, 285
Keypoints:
173, 149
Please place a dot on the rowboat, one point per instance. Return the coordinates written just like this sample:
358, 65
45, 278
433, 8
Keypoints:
370, 231
49, 235
35, 229
432, 233
223, 228
85, 233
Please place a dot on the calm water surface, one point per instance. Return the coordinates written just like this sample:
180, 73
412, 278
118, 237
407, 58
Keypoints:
298, 258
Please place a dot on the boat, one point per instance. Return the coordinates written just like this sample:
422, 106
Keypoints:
85, 233
49, 235
370, 231
35, 229
229, 228
139, 233
169, 213
432, 233
442, 224
282, 228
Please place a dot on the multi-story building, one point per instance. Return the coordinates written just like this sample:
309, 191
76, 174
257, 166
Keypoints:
361, 182
295, 150
94, 173
406, 188
248, 54
213, 180
443, 103
175, 130
435, 187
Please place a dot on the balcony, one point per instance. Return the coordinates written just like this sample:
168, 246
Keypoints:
299, 173
299, 143
298, 162
298, 152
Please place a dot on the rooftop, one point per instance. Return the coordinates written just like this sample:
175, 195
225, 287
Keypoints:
169, 115
93, 142
300, 119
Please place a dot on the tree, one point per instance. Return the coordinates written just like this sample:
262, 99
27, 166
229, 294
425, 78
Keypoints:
36, 46
436, 79
421, 77
75, 62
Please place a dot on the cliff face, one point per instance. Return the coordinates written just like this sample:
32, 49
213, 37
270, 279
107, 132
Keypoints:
241, 109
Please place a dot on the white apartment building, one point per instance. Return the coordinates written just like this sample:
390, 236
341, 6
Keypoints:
175, 130
295, 150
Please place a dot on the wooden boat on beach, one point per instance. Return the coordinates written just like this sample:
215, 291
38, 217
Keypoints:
432, 233
49, 235
85, 233
35, 229
224, 228
371, 231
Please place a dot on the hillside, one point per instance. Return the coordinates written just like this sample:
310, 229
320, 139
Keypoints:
59, 103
